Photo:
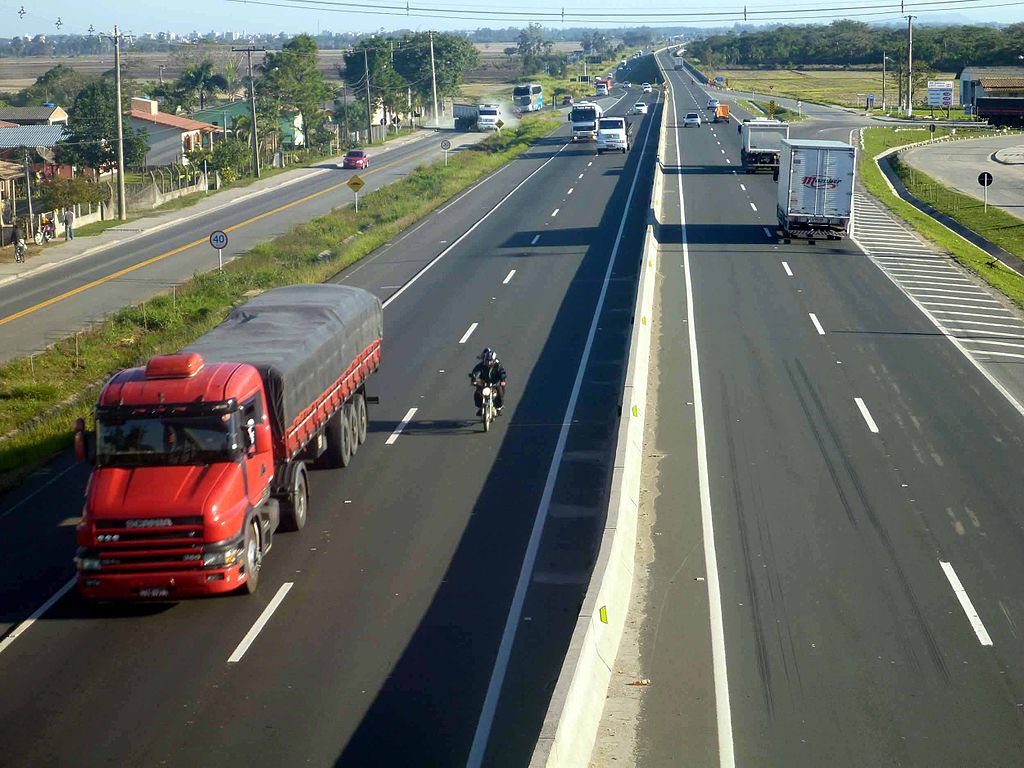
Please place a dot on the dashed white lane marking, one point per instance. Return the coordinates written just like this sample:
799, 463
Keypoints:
743, 187
508, 277
555, 212
590, 163
866, 414
789, 271
535, 239
965, 603
817, 325
753, 208
570, 190
261, 622
468, 333
580, 176
401, 425
23, 626
728, 160
723, 151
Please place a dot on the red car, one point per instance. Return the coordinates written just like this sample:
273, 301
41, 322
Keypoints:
355, 158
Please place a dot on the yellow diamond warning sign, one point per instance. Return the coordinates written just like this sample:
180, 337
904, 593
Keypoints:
355, 183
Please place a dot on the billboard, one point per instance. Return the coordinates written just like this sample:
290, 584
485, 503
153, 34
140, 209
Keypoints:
940, 93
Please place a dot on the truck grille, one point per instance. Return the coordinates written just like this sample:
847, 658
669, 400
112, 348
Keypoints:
134, 545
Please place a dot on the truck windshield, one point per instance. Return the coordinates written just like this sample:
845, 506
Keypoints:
611, 124
166, 441
489, 112
584, 113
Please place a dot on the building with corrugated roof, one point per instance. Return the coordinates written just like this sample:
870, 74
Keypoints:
170, 137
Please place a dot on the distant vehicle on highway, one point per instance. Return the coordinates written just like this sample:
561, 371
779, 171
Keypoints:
355, 158
567, 100
691, 119
612, 135
640, 108
528, 97
713, 103
647, 87
760, 143
627, 85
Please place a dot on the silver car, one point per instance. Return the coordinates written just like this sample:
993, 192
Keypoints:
692, 118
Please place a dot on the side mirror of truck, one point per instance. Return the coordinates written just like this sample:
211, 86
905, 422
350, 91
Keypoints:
568, 118
85, 443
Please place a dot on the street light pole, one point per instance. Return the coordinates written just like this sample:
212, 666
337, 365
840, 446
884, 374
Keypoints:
369, 115
884, 57
910, 62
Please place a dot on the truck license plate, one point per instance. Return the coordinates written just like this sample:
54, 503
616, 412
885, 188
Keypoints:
154, 592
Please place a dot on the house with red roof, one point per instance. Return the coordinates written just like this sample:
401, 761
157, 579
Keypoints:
170, 136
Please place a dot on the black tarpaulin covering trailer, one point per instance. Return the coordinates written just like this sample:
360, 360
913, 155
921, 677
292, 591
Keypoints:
301, 338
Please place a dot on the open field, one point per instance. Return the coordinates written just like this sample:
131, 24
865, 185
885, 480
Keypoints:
17, 73
845, 87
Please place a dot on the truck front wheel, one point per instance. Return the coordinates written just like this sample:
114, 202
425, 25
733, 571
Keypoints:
253, 555
295, 506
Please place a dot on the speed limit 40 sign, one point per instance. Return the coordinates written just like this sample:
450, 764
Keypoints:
219, 239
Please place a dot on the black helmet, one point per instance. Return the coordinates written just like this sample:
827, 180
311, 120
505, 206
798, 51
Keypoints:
492, 356
485, 355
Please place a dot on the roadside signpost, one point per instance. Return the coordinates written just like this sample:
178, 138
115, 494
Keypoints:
940, 94
219, 240
446, 145
771, 108
355, 184
985, 180
501, 123
931, 129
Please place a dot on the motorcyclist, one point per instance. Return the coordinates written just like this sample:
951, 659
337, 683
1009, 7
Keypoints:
489, 371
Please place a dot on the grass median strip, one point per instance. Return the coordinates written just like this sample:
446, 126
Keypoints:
877, 140
41, 396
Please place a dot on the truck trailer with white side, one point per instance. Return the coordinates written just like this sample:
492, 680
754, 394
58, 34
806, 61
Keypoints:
815, 195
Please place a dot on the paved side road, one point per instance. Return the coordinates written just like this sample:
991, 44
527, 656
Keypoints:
957, 165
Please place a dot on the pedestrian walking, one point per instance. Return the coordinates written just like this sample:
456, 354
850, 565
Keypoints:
69, 224
18, 237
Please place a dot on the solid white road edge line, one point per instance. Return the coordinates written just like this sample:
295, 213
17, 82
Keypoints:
19, 630
464, 235
401, 425
789, 271
512, 621
468, 333
261, 622
965, 603
723, 708
508, 277
817, 325
866, 414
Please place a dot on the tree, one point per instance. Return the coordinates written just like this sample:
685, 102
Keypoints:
93, 128
57, 194
59, 85
201, 79
291, 78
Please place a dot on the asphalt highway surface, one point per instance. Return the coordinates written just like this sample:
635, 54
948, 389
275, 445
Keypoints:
422, 615
837, 576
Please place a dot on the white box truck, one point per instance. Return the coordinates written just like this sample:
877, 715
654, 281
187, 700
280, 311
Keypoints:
815, 195
584, 116
760, 143
678, 62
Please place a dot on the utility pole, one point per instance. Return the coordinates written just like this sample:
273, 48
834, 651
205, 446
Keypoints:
248, 50
910, 61
122, 203
344, 109
28, 198
884, 57
369, 111
433, 80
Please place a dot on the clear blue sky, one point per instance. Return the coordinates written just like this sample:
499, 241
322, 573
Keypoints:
182, 16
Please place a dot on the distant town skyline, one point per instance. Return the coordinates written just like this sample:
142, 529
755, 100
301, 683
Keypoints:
243, 18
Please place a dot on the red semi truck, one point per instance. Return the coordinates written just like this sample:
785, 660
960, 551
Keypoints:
200, 455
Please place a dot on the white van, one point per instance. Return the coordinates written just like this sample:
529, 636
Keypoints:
612, 135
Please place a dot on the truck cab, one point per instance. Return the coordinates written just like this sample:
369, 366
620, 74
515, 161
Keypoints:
612, 135
488, 116
179, 502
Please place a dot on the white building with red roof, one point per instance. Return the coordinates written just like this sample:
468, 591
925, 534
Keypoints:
170, 136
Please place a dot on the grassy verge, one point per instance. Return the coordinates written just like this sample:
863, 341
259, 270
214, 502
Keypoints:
40, 397
877, 140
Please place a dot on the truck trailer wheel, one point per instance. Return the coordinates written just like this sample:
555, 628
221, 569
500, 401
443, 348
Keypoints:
360, 407
338, 433
253, 554
352, 421
295, 506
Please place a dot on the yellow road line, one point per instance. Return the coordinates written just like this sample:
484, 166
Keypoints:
193, 244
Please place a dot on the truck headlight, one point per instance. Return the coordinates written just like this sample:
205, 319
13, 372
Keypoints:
222, 558
87, 563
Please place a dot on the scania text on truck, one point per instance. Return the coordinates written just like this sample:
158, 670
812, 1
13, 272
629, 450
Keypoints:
815, 194
760, 143
528, 97
200, 455
584, 117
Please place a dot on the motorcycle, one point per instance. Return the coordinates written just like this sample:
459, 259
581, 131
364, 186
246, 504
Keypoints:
488, 409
